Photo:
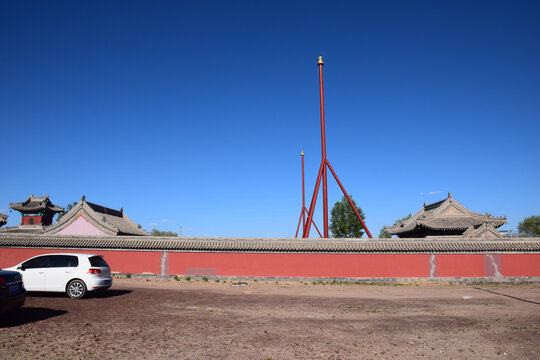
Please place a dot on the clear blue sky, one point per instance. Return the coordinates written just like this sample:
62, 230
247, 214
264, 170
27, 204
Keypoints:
194, 113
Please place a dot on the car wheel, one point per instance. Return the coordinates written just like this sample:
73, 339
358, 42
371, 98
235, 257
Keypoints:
76, 289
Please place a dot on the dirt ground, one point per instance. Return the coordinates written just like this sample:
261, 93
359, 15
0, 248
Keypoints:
142, 318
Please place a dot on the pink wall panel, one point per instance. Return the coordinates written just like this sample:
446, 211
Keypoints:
455, 265
81, 226
520, 264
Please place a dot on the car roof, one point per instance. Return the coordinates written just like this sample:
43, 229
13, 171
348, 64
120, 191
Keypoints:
71, 254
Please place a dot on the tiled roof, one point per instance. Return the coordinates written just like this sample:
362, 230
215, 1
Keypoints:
3, 219
424, 245
109, 221
459, 222
35, 203
485, 231
443, 215
26, 229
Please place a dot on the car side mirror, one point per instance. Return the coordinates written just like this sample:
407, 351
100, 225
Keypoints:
22, 268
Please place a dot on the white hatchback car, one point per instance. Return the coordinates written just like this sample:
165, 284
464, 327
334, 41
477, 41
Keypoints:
74, 274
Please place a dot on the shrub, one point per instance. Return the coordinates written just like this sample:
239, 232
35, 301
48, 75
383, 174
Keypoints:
128, 275
205, 279
188, 278
176, 278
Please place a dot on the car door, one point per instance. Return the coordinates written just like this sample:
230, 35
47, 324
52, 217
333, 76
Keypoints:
60, 271
33, 273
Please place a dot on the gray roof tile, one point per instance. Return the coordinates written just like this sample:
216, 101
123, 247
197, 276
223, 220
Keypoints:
424, 245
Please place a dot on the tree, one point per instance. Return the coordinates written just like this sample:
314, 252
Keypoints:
343, 220
383, 234
69, 207
530, 226
156, 232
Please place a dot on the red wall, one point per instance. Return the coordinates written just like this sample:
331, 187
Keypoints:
25, 219
520, 264
302, 264
461, 265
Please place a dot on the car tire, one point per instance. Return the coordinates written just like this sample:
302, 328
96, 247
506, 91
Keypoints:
76, 289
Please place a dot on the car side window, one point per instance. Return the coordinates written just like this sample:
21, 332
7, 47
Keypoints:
53, 261
39, 262
60, 261
73, 261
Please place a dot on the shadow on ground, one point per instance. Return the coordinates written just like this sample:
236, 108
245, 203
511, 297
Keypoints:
89, 295
27, 315
107, 293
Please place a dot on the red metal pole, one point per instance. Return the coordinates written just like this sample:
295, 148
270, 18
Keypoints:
302, 216
314, 224
320, 64
302, 213
305, 234
303, 195
349, 200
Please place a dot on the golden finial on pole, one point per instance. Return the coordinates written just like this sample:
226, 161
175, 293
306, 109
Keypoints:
302, 153
320, 62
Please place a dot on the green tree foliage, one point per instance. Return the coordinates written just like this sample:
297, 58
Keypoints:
343, 220
530, 226
383, 234
67, 208
156, 232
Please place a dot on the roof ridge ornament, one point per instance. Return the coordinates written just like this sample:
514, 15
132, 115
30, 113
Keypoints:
83, 199
449, 195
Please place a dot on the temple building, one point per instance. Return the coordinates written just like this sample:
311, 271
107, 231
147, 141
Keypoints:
448, 218
3, 219
36, 212
87, 218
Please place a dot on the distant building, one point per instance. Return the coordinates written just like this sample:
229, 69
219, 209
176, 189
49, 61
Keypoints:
36, 214
3, 219
87, 218
36, 210
448, 218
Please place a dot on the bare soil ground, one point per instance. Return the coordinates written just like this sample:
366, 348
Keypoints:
142, 318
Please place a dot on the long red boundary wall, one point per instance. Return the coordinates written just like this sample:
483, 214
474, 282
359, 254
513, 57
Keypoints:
304, 265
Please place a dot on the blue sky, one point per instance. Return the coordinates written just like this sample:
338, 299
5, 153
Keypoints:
194, 114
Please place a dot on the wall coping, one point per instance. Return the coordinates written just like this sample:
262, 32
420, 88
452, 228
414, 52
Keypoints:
277, 245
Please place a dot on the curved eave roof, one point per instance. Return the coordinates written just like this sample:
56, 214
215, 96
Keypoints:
36, 207
151, 243
3, 219
446, 223
459, 222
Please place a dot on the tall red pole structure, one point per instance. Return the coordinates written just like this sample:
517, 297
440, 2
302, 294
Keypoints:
323, 149
322, 174
303, 195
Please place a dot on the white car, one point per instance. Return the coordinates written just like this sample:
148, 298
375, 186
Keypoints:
74, 274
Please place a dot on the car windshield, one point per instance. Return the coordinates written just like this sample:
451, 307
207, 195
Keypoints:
98, 261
